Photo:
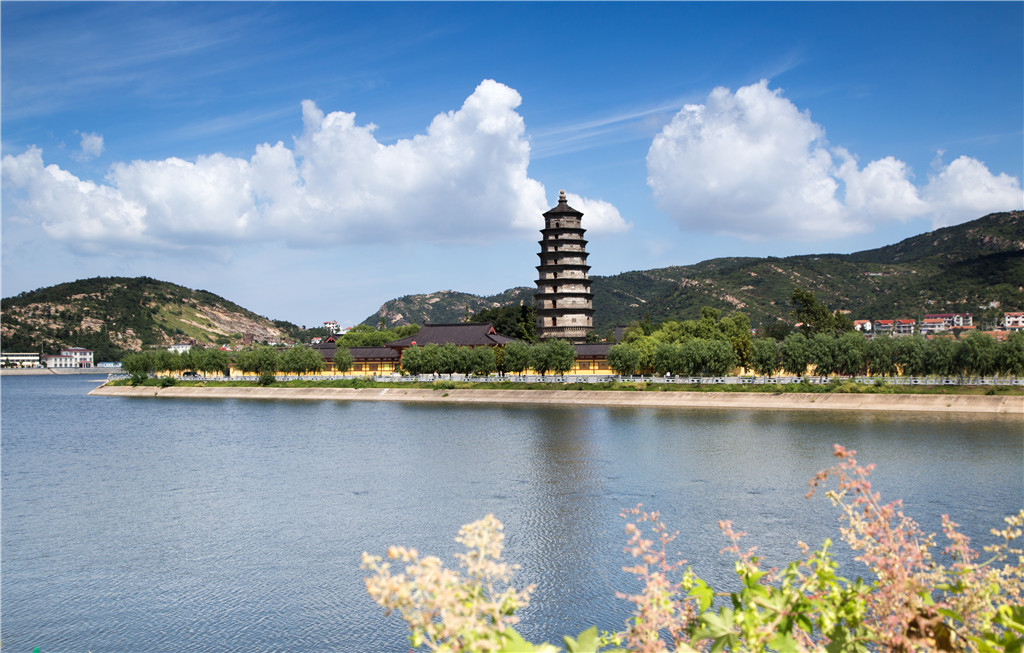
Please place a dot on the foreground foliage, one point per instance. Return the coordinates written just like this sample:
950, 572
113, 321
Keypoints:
911, 601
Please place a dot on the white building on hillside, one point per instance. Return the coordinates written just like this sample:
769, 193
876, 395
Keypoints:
79, 357
15, 359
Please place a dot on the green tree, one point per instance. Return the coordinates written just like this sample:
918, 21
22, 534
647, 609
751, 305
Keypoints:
484, 360
447, 359
644, 346
912, 355
816, 317
795, 353
1011, 355
823, 348
719, 357
977, 355
777, 330
464, 360
666, 357
512, 320
412, 360
881, 356
217, 361
561, 355
942, 355
736, 328
167, 361
552, 355
693, 357
851, 353
302, 360
516, 356
623, 359
262, 361
342, 360
140, 365
765, 357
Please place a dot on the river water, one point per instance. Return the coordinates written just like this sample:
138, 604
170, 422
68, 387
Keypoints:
235, 525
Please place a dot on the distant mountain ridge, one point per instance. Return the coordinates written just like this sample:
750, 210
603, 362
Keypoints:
973, 267
976, 267
115, 315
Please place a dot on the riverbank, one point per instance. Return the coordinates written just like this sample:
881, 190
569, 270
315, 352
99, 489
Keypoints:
58, 371
1009, 405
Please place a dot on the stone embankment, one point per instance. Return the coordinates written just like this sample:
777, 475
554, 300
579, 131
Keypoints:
58, 371
750, 400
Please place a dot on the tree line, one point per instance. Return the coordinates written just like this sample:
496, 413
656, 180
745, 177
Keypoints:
827, 354
265, 362
556, 356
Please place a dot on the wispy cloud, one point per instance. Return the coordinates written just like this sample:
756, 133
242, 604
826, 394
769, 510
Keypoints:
629, 125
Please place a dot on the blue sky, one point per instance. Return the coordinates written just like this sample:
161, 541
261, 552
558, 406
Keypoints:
313, 160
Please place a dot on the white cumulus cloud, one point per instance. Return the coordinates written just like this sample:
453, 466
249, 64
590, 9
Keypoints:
463, 180
598, 216
751, 164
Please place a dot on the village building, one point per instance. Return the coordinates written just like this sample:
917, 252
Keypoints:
904, 327
1013, 321
933, 325
68, 358
952, 320
564, 303
20, 359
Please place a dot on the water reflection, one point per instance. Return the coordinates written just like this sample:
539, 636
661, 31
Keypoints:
237, 525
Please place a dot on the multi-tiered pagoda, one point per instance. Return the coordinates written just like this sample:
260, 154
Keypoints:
565, 305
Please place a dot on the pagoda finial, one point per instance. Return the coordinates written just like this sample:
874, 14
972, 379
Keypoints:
561, 197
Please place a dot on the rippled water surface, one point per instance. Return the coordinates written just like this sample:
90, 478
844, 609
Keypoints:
229, 525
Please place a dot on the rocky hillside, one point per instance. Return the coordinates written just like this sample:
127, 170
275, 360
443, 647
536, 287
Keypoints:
976, 267
445, 306
114, 315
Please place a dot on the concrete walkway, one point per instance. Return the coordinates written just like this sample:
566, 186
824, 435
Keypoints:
782, 401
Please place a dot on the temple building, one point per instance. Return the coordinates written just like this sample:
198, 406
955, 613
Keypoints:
565, 305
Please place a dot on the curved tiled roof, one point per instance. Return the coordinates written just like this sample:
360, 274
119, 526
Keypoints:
464, 335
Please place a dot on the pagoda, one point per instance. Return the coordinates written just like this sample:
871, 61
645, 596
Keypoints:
564, 303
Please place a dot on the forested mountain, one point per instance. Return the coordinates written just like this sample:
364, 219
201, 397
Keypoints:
976, 267
114, 315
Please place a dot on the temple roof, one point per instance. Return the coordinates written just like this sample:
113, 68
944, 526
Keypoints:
472, 334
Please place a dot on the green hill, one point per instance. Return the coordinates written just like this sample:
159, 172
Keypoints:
115, 315
976, 267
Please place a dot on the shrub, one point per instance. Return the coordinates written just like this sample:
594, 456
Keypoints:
266, 378
912, 603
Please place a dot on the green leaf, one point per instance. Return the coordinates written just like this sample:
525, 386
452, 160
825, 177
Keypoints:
784, 643
703, 593
586, 642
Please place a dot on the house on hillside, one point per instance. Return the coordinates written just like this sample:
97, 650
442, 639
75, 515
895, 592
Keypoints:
933, 325
904, 327
68, 358
20, 359
1013, 321
952, 320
